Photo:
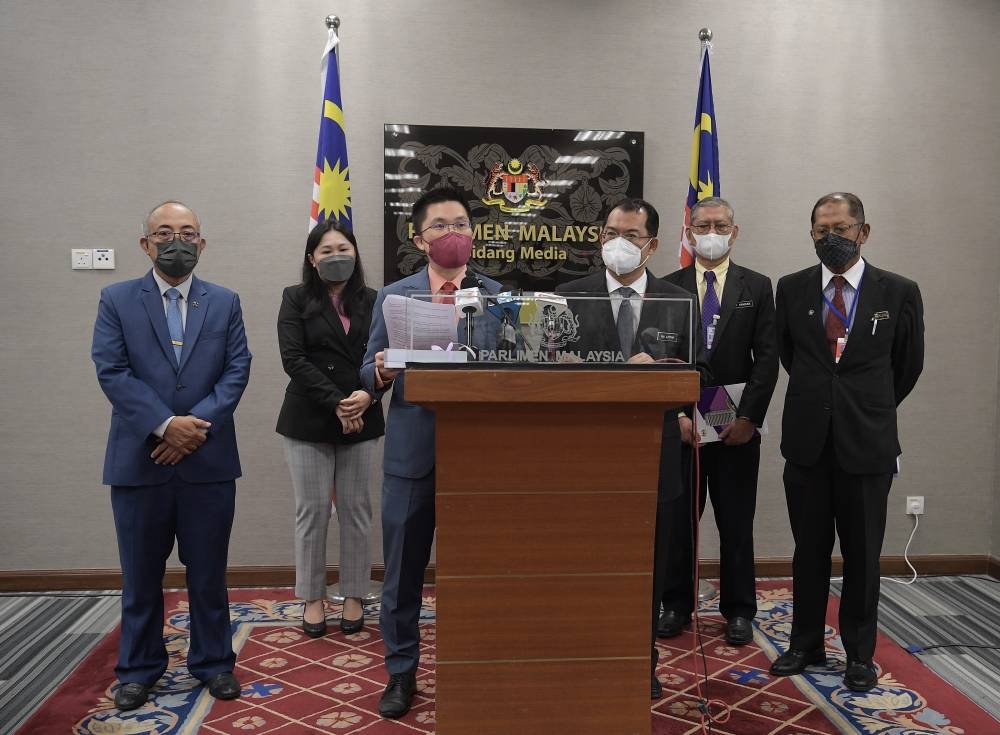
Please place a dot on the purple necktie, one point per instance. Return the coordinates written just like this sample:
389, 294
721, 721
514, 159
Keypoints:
709, 307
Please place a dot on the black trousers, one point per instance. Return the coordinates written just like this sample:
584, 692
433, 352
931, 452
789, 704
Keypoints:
729, 476
824, 498
670, 488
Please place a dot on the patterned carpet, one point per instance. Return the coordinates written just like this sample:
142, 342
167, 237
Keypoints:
950, 623
294, 684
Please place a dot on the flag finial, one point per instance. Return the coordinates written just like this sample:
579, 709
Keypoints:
705, 35
333, 22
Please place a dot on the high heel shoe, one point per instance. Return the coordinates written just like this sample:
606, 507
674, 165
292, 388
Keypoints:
314, 630
348, 627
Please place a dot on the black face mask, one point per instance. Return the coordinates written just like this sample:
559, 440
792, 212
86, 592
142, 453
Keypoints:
335, 268
176, 258
835, 251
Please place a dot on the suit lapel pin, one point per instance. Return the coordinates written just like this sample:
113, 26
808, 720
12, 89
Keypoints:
876, 318
194, 304
811, 312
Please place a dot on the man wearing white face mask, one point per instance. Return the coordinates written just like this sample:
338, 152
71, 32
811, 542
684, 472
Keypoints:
628, 238
737, 318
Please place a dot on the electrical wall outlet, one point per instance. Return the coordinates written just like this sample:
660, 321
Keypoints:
81, 259
914, 505
104, 259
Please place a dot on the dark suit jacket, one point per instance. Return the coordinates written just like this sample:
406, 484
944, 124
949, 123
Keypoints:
598, 332
409, 436
857, 398
745, 348
141, 377
324, 366
664, 330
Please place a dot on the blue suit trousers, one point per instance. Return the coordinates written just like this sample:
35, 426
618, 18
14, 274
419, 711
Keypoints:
408, 520
147, 519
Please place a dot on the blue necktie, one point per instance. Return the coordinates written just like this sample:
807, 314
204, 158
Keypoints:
174, 322
626, 321
709, 308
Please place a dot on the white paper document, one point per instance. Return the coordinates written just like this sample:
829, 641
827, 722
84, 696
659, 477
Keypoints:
418, 325
419, 331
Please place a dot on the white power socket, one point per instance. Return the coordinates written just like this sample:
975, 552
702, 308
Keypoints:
85, 259
914, 505
104, 259
81, 259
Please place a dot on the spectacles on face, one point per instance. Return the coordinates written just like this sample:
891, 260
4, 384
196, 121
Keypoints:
439, 228
640, 241
165, 235
706, 227
820, 231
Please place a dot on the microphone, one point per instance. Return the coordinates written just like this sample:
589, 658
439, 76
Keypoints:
468, 298
651, 344
507, 337
468, 301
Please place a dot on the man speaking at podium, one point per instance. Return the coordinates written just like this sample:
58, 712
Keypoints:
851, 337
442, 227
628, 238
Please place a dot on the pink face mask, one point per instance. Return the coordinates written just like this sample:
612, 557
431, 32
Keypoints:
451, 250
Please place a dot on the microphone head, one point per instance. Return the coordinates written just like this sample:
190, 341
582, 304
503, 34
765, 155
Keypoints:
470, 281
650, 342
469, 300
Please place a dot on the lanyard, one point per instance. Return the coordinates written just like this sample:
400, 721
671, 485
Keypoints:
849, 319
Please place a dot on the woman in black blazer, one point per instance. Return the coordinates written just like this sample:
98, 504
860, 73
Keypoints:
329, 423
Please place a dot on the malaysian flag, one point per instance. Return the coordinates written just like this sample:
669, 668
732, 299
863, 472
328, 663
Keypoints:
331, 197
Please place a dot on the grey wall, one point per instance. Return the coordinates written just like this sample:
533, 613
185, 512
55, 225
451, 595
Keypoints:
108, 107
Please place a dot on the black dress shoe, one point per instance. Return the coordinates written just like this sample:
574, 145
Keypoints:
131, 696
739, 630
672, 624
347, 627
314, 630
657, 688
398, 695
223, 686
860, 676
793, 662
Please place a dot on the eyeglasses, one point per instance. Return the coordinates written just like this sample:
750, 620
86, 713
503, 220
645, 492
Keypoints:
442, 227
838, 230
640, 241
164, 235
705, 228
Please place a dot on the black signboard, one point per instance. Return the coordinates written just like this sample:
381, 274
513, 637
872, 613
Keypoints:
538, 197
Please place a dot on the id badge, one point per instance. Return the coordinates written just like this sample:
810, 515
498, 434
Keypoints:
841, 344
709, 336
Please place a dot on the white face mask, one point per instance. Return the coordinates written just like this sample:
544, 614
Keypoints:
622, 257
711, 246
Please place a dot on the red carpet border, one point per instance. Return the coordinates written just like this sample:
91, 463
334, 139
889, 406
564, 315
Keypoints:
296, 685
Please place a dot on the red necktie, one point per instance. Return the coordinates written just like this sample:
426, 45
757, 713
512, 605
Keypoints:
835, 328
447, 291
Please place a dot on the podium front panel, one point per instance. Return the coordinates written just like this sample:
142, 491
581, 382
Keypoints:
546, 485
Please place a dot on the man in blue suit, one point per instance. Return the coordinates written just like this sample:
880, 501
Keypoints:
171, 356
443, 226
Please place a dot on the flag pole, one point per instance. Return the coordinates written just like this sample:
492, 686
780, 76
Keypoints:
706, 590
333, 23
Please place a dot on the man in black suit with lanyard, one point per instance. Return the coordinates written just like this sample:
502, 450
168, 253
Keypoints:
851, 337
737, 317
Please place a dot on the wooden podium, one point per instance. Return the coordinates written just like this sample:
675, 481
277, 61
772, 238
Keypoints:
546, 506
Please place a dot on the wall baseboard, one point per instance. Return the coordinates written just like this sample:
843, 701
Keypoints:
284, 576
